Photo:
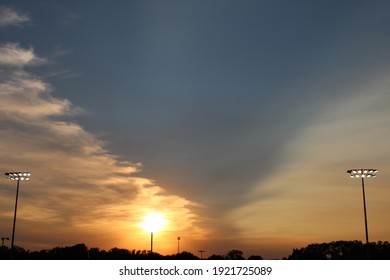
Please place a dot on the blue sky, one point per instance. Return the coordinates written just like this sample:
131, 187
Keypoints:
243, 114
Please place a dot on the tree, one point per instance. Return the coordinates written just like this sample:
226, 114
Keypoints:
119, 254
336, 250
235, 255
216, 257
182, 256
4, 253
95, 254
255, 257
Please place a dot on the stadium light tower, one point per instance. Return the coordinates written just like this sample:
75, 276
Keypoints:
18, 176
364, 173
201, 253
178, 244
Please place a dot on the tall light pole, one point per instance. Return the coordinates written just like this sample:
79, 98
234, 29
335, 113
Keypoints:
151, 242
152, 222
178, 244
201, 253
18, 176
364, 173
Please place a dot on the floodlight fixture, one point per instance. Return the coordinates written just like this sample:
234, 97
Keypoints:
23, 176
16, 176
364, 173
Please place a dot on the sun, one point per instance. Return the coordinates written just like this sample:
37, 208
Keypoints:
153, 222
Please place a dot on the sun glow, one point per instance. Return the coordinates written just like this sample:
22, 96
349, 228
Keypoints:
153, 222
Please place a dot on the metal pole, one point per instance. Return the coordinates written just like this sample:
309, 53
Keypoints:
151, 242
13, 227
201, 253
178, 245
365, 221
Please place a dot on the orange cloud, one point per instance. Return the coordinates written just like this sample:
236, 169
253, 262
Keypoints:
79, 191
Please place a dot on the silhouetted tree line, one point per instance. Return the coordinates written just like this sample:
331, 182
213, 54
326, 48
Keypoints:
342, 250
82, 252
234, 255
337, 250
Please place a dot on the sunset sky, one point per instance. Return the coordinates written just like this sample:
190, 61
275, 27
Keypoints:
236, 121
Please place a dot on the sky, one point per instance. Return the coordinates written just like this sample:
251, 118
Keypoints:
236, 121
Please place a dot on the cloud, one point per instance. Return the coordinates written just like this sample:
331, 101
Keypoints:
9, 16
79, 191
11, 54
309, 197
28, 98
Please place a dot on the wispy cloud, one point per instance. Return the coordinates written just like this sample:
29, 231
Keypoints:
61, 75
11, 54
309, 194
9, 16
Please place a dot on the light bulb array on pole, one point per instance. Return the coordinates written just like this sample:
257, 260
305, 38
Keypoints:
364, 173
16, 176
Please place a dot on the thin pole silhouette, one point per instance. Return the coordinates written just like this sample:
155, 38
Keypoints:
365, 221
14, 224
